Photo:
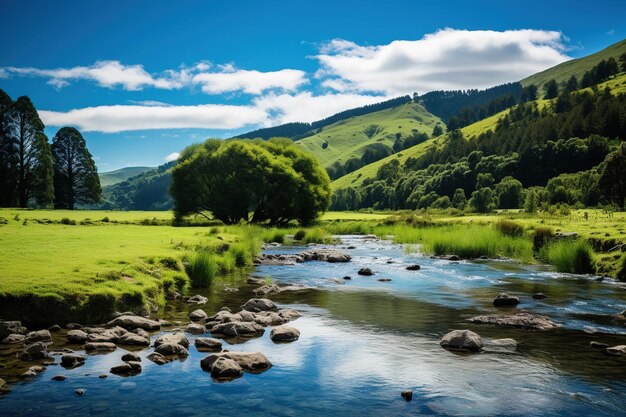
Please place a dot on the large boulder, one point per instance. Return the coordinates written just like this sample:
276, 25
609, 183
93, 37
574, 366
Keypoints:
522, 320
39, 336
100, 347
172, 349
463, 340
284, 334
254, 362
505, 300
269, 318
77, 336
106, 335
197, 315
127, 368
259, 304
11, 327
131, 357
208, 344
34, 351
289, 314
132, 339
158, 358
225, 369
133, 322
366, 272
238, 329
177, 338
71, 360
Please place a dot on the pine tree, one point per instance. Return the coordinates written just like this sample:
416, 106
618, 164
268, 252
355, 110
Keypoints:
8, 162
75, 175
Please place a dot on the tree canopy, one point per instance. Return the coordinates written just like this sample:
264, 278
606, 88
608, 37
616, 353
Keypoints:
76, 178
270, 182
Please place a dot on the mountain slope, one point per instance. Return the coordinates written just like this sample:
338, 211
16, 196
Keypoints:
119, 175
350, 138
577, 67
146, 191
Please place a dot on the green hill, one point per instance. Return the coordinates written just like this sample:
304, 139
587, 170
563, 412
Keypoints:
146, 191
350, 138
119, 175
562, 72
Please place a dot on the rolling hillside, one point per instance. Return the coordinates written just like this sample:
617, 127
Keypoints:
350, 138
119, 175
562, 72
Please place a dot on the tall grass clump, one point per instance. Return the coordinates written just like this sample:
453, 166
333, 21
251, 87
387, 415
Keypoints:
571, 256
202, 268
509, 227
621, 268
541, 236
299, 235
349, 228
467, 241
274, 236
241, 253
316, 235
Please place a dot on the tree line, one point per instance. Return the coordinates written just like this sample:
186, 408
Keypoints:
34, 172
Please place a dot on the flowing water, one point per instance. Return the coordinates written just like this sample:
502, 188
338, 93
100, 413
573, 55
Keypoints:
364, 341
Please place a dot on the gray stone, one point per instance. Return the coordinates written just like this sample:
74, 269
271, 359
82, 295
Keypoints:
39, 336
33, 371
522, 320
289, 314
131, 357
127, 368
249, 361
197, 315
158, 358
197, 299
464, 340
100, 347
58, 378
505, 300
238, 329
13, 339
34, 351
80, 392
4, 387
77, 336
413, 268
194, 328
269, 318
177, 338
11, 327
133, 322
208, 344
365, 272
225, 369
284, 334
73, 326
616, 350
132, 339
172, 349
72, 360
259, 304
54, 328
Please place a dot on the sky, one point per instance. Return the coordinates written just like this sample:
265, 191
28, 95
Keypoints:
143, 79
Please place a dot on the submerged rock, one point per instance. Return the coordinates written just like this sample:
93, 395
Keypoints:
522, 320
100, 347
238, 329
158, 358
58, 378
384, 279
407, 395
365, 272
134, 322
463, 340
131, 357
259, 304
322, 255
505, 300
284, 334
172, 349
413, 268
254, 362
539, 296
132, 339
197, 299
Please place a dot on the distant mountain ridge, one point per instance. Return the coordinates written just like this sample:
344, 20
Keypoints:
119, 175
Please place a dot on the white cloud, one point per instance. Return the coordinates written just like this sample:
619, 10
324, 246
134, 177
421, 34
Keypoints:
251, 82
172, 157
111, 119
150, 103
212, 80
445, 60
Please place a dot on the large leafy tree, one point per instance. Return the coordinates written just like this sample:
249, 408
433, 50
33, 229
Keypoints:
8, 163
76, 178
28, 146
613, 179
269, 182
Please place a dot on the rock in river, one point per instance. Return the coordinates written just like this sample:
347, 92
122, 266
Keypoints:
284, 334
77, 336
198, 314
463, 340
413, 268
522, 319
72, 361
35, 351
197, 299
131, 357
100, 347
616, 350
365, 272
505, 300
13, 339
132, 339
127, 368
208, 344
133, 322
177, 338
39, 336
259, 304
238, 329
225, 369
195, 328
172, 349
4, 387
11, 327
254, 362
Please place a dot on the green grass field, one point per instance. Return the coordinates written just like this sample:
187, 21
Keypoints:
348, 138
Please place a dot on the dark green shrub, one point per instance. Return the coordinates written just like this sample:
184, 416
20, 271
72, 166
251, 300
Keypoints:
203, 267
572, 256
299, 235
170, 263
541, 236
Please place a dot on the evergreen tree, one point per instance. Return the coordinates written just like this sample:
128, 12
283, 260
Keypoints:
459, 201
529, 93
437, 131
530, 204
76, 178
622, 61
8, 164
613, 179
31, 151
572, 84
551, 89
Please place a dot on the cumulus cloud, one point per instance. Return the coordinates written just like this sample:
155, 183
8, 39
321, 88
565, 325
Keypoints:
212, 80
172, 157
448, 59
111, 119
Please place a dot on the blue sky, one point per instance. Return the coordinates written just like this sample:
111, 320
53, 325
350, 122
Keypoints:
143, 79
